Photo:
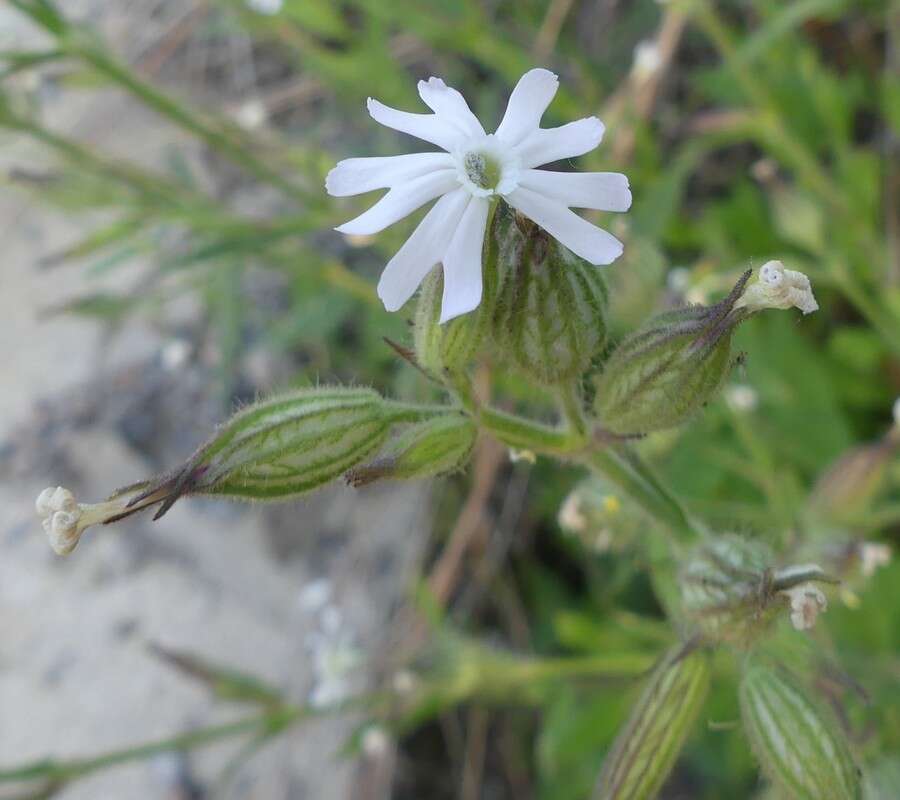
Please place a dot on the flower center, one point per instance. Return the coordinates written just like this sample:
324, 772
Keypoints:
485, 167
482, 170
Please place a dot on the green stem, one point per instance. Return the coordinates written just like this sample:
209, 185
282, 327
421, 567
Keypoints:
634, 478
415, 412
595, 666
216, 136
524, 434
573, 408
60, 772
625, 468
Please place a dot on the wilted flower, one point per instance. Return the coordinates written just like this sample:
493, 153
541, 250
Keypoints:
778, 287
807, 602
65, 520
475, 168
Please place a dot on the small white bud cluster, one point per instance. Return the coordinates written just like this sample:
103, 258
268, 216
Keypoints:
335, 658
807, 602
778, 287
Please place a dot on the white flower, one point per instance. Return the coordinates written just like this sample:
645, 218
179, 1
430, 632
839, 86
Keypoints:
778, 287
528, 456
647, 59
741, 398
315, 595
336, 661
896, 412
807, 602
376, 742
475, 168
251, 115
570, 517
873, 555
265, 6
404, 682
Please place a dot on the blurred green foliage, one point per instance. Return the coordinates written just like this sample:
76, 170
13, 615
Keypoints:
772, 132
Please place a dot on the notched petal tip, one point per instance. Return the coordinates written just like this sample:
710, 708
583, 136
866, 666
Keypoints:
432, 83
627, 197
391, 299
615, 250
331, 180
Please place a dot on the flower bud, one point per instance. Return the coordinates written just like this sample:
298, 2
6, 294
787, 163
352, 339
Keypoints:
724, 587
778, 287
660, 376
288, 445
801, 749
845, 491
451, 346
428, 448
647, 747
731, 591
551, 315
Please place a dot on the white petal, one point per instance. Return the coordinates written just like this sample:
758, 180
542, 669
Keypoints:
421, 251
527, 104
604, 191
360, 175
451, 105
462, 262
430, 127
545, 145
581, 237
400, 201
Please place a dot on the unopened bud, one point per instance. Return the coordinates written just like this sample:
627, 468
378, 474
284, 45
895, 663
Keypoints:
660, 376
845, 490
428, 448
648, 746
778, 287
289, 445
800, 747
451, 346
551, 315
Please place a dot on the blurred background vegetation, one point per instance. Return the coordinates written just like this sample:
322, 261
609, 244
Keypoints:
749, 129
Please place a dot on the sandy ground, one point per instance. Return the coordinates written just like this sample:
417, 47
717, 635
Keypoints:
251, 588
